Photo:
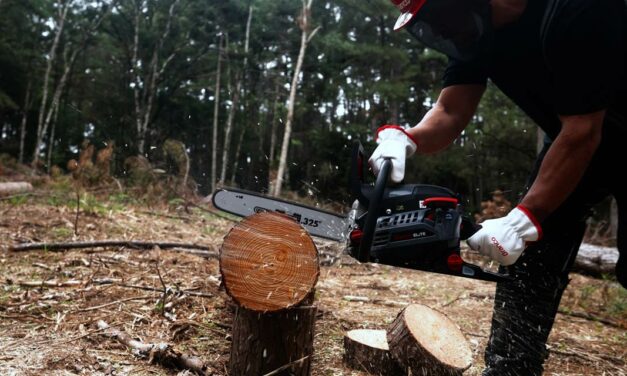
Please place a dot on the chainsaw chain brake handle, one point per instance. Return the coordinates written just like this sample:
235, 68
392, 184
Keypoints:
373, 208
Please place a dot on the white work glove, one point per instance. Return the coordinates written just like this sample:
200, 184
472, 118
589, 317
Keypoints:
394, 143
503, 239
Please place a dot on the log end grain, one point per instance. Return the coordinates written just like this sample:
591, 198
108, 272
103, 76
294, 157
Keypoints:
268, 262
367, 350
427, 342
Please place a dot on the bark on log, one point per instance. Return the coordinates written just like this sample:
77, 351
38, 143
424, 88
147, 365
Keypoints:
269, 266
426, 342
367, 350
268, 263
12, 188
596, 260
263, 343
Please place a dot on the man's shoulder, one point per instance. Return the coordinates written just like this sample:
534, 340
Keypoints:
566, 19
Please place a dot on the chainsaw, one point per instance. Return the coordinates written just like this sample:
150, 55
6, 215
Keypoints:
415, 226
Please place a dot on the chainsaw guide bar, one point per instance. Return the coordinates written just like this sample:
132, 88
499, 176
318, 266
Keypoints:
316, 221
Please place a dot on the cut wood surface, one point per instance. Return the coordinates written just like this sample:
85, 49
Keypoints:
11, 188
427, 342
367, 350
268, 262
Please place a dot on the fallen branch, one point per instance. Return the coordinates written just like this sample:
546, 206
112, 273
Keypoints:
157, 353
148, 288
288, 365
50, 283
586, 316
592, 358
100, 282
103, 243
217, 214
111, 303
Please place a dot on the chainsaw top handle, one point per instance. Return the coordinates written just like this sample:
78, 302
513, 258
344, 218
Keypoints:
373, 210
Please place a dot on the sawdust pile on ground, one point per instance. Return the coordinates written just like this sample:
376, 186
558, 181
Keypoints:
52, 329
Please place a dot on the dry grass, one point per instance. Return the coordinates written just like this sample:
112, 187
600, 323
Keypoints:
52, 330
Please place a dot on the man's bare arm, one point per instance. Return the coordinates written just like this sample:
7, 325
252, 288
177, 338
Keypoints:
447, 119
565, 163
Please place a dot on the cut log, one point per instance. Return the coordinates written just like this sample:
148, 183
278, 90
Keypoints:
269, 266
12, 188
596, 260
268, 262
367, 350
426, 342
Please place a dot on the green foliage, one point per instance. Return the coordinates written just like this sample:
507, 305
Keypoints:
358, 74
18, 200
90, 204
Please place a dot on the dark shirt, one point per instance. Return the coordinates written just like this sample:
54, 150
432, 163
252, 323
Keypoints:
571, 63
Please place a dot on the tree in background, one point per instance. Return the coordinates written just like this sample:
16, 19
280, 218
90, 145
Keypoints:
304, 23
155, 70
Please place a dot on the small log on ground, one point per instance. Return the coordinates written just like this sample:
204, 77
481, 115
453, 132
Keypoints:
426, 342
12, 188
596, 260
269, 266
367, 350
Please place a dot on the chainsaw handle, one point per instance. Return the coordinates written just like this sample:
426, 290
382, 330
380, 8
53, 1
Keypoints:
468, 228
373, 210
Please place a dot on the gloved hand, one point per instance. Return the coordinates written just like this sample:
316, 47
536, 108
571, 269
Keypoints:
394, 143
503, 239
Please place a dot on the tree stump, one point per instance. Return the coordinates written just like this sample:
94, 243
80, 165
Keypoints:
427, 342
367, 350
269, 266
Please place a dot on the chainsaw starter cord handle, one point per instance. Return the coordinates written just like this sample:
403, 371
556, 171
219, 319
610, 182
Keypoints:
373, 211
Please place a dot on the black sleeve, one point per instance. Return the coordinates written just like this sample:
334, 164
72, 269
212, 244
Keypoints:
465, 72
584, 51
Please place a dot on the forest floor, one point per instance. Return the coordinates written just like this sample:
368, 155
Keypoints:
51, 330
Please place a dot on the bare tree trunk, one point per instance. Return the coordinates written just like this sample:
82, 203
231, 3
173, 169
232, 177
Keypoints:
305, 38
226, 148
275, 110
56, 99
144, 102
46, 112
25, 110
273, 130
238, 150
216, 109
51, 140
235, 101
52, 54
136, 76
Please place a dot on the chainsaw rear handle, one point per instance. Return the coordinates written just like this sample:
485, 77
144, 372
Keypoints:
373, 209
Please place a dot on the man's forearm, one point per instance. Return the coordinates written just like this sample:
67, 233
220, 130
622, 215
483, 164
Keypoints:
564, 165
436, 131
452, 112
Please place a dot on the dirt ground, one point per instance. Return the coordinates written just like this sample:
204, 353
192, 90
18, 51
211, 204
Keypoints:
51, 330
